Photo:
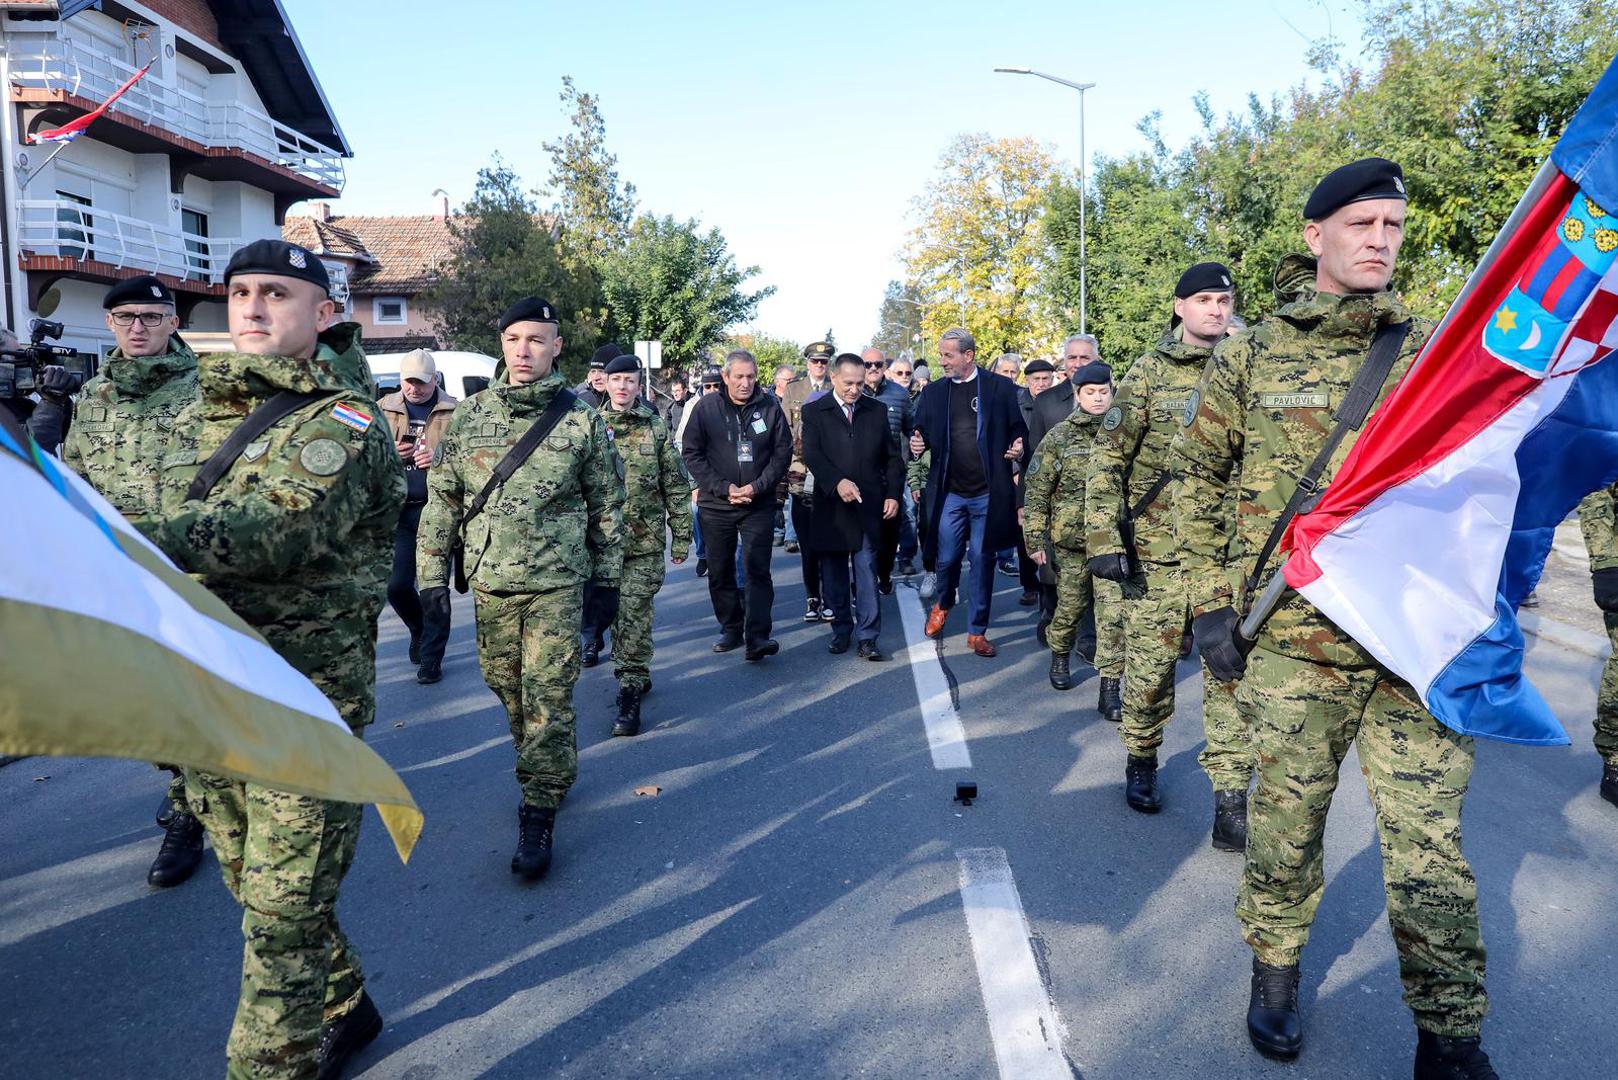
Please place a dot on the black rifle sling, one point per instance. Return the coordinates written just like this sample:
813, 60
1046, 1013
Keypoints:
560, 404
1356, 406
260, 420
1146, 500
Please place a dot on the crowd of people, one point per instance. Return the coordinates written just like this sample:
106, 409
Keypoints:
1139, 516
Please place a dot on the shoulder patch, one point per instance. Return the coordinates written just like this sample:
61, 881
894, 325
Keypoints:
1114, 417
323, 457
347, 414
1192, 405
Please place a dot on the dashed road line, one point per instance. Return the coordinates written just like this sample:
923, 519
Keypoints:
946, 736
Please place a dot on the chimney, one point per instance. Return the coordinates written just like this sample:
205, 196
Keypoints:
322, 211
443, 203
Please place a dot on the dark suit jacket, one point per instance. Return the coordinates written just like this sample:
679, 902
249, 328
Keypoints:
862, 452
1000, 424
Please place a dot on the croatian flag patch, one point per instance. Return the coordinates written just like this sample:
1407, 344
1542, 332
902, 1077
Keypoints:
347, 414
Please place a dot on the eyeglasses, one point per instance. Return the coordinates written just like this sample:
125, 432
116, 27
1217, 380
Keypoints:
872, 365
899, 373
818, 360
150, 319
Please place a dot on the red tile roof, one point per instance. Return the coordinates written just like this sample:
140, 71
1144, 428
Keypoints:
401, 255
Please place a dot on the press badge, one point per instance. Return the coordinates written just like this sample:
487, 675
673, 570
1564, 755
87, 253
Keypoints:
744, 452
759, 427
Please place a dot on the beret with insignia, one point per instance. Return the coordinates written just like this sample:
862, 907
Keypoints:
281, 259
145, 289
606, 354
528, 309
1092, 374
1368, 178
622, 363
1203, 277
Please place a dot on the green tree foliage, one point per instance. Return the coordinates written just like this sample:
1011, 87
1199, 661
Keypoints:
671, 281
593, 208
899, 319
772, 353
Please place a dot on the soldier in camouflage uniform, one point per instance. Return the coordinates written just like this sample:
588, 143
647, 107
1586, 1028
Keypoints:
297, 538
1131, 477
1259, 416
657, 501
1598, 518
1053, 516
124, 419
556, 524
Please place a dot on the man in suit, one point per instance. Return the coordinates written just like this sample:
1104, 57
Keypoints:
859, 478
970, 422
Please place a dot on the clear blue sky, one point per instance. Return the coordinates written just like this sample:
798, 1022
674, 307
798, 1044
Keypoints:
803, 131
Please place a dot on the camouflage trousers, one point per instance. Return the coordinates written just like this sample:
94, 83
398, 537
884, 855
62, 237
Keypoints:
1075, 595
1607, 699
632, 630
1109, 608
1227, 755
1155, 611
1305, 715
528, 648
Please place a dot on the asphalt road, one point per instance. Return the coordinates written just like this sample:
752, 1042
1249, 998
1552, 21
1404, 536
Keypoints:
803, 898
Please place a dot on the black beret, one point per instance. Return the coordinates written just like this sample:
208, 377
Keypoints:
1093, 373
528, 309
712, 375
145, 289
1203, 277
621, 363
1368, 178
601, 357
819, 350
1038, 367
281, 259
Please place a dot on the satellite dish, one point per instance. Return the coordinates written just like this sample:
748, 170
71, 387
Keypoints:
49, 301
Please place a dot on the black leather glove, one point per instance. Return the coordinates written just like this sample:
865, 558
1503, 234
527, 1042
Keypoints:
58, 383
435, 601
1113, 567
1606, 586
604, 598
1222, 648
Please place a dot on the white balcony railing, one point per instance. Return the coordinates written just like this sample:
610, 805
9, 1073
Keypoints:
71, 230
58, 64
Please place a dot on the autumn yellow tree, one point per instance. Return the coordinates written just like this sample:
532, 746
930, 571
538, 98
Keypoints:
977, 255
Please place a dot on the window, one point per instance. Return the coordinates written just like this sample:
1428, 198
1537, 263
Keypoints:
73, 225
389, 311
194, 224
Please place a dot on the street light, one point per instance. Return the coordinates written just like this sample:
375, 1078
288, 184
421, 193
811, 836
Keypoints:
1081, 88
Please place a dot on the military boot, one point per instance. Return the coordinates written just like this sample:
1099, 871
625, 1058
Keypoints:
1140, 784
1439, 1057
1273, 1022
1061, 677
592, 652
1609, 783
536, 828
1111, 703
166, 811
346, 1037
628, 722
1230, 820
180, 854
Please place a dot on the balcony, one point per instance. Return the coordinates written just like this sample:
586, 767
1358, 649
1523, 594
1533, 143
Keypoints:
230, 140
61, 237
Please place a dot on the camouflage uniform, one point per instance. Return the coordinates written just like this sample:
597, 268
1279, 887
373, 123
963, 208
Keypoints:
1053, 519
555, 525
122, 424
1598, 519
298, 539
1256, 420
657, 498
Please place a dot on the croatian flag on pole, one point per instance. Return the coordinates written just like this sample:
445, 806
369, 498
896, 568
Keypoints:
1440, 520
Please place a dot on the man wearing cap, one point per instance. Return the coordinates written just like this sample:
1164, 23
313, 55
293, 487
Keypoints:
1037, 377
597, 619
813, 383
554, 525
117, 443
593, 390
897, 543
1130, 539
296, 536
657, 503
418, 415
1258, 417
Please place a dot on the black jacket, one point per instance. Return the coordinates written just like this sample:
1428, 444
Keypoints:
1050, 409
863, 452
711, 441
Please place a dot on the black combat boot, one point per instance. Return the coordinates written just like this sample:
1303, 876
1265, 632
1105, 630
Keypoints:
628, 723
1111, 703
430, 672
1061, 678
1140, 784
592, 652
348, 1036
1439, 1057
180, 854
1609, 784
536, 827
166, 811
1230, 820
1273, 1022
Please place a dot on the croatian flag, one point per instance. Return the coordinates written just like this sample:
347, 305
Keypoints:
1440, 520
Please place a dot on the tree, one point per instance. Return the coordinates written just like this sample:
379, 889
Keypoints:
672, 282
593, 210
772, 353
899, 319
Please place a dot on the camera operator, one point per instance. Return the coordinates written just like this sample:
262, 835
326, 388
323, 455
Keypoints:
46, 419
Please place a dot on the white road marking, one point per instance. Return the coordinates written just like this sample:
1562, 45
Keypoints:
946, 737
1023, 1023
459, 755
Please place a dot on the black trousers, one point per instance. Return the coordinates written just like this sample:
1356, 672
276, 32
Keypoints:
594, 623
741, 612
806, 551
432, 632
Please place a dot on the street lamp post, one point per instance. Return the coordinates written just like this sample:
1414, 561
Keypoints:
1083, 168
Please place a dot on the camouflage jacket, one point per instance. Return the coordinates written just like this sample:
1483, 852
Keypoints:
1055, 481
1133, 449
122, 425
657, 487
303, 522
1256, 420
1598, 520
557, 522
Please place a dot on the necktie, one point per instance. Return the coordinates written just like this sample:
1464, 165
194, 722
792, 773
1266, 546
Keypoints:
848, 411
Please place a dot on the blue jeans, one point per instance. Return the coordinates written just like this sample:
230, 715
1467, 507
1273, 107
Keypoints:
792, 528
907, 529
961, 527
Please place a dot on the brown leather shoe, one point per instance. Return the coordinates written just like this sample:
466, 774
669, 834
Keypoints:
979, 643
935, 621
